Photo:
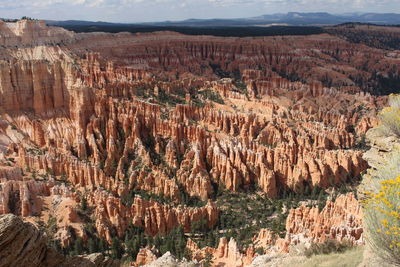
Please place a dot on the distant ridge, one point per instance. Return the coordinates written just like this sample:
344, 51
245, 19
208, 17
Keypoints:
291, 18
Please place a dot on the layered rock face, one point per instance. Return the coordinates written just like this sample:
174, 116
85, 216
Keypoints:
226, 254
23, 245
28, 33
153, 216
340, 220
145, 256
36, 86
142, 128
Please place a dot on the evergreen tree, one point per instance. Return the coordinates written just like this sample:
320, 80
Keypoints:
83, 204
321, 200
117, 250
92, 245
314, 192
78, 246
157, 241
103, 246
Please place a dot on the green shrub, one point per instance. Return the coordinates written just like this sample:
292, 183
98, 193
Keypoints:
241, 87
328, 247
213, 96
350, 258
174, 242
260, 251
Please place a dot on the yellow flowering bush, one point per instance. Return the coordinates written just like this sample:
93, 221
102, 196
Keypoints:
390, 116
382, 220
389, 169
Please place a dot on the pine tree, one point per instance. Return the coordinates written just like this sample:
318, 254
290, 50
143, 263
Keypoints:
314, 192
103, 246
117, 249
78, 246
83, 204
157, 241
130, 249
92, 245
321, 200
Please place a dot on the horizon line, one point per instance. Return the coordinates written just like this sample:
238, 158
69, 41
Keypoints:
206, 19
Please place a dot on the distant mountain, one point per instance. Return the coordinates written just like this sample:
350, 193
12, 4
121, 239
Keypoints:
291, 18
79, 22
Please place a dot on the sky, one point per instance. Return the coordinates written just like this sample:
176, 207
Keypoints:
162, 10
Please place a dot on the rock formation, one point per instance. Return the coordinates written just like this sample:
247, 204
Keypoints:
226, 254
143, 127
265, 239
154, 217
21, 244
271, 146
145, 256
169, 260
340, 220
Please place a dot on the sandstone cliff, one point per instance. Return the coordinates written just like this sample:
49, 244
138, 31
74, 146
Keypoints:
21, 244
226, 254
340, 220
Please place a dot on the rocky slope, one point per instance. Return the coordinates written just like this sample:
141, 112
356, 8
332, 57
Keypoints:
118, 131
21, 244
340, 219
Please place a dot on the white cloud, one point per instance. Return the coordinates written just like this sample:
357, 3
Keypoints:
90, 3
158, 10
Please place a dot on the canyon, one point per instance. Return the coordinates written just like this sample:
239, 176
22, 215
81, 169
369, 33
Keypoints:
113, 132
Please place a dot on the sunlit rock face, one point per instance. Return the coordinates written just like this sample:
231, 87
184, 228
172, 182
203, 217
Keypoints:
22, 244
339, 220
